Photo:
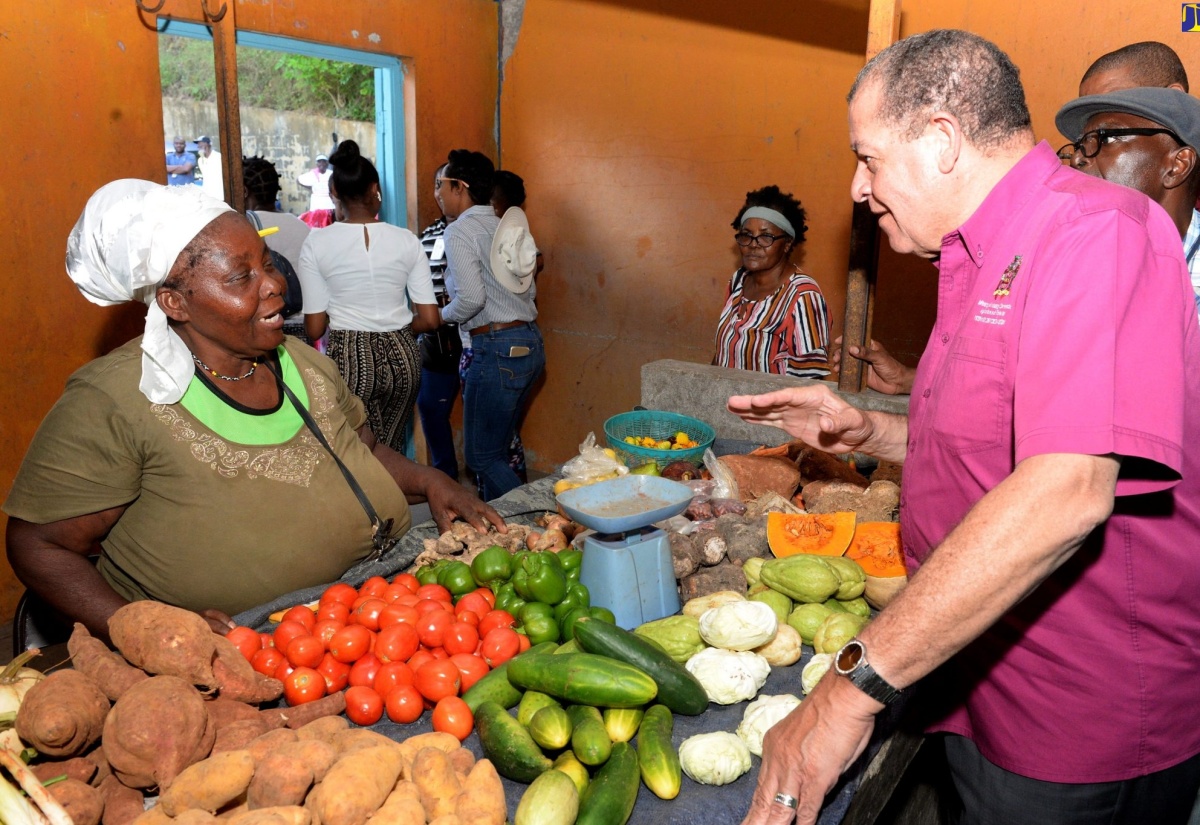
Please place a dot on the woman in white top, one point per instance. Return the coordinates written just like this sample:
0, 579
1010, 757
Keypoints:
359, 276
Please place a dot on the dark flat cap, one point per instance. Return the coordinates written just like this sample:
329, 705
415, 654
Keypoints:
1170, 108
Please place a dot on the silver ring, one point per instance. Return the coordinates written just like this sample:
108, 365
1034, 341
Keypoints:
787, 800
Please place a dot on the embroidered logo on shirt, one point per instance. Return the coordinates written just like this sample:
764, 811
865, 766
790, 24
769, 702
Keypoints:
1006, 279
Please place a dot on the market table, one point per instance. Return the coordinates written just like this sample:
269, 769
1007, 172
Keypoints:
696, 804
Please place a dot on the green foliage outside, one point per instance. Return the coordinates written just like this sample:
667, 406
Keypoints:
270, 80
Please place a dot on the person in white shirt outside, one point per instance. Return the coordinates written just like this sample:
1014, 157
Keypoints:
208, 161
317, 180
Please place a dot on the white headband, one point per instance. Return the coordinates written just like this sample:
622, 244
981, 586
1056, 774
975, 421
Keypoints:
123, 247
767, 214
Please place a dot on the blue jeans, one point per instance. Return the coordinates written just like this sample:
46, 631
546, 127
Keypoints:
434, 403
494, 395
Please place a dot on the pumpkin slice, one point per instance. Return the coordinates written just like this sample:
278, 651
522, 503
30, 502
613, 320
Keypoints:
879, 551
819, 534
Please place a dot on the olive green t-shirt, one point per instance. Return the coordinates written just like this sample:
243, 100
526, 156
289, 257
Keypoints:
227, 514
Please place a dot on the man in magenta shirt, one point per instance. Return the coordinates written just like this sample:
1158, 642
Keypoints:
1049, 510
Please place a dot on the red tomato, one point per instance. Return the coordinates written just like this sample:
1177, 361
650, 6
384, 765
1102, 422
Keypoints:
286, 632
433, 591
500, 645
333, 612
393, 592
325, 629
392, 675
367, 613
340, 592
246, 640
267, 639
304, 684
439, 653
397, 643
419, 658
266, 661
337, 674
305, 651
396, 613
424, 606
363, 671
525, 643
473, 602
460, 637
488, 595
373, 587
363, 705
472, 668
437, 679
284, 670
432, 627
404, 704
452, 715
301, 614
350, 643
408, 580
494, 619
470, 617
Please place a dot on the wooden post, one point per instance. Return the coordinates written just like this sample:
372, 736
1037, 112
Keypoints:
883, 27
229, 118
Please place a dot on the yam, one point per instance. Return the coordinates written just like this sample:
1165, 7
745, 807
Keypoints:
436, 739
78, 767
236, 679
234, 736
165, 640
194, 816
284, 777
433, 774
153, 816
357, 785
299, 716
818, 465
291, 815
685, 555
745, 538
757, 474
92, 657
463, 760
878, 502
445, 819
481, 800
264, 745
402, 811
155, 730
80, 800
356, 739
709, 580
103, 769
122, 805
62, 715
210, 784
324, 728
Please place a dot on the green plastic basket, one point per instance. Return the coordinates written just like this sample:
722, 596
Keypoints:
659, 426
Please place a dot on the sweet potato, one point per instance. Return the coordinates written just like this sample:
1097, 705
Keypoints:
155, 730
122, 805
235, 736
357, 785
78, 767
62, 715
445, 819
462, 761
301, 715
433, 774
358, 738
108, 670
292, 815
154, 816
399, 811
210, 784
79, 799
237, 680
442, 741
194, 816
165, 640
103, 769
226, 711
284, 777
261, 747
324, 728
481, 800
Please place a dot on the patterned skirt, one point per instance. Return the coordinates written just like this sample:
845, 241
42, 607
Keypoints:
384, 370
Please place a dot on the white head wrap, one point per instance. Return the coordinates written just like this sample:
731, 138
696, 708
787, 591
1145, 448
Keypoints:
123, 247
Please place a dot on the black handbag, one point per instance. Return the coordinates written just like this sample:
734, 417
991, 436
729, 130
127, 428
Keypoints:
441, 349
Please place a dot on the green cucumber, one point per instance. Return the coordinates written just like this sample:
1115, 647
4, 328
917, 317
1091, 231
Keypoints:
678, 689
531, 703
584, 679
589, 739
622, 723
509, 746
552, 799
551, 727
610, 797
572, 767
495, 686
658, 758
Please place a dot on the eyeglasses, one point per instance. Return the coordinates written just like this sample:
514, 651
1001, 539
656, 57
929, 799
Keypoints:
764, 240
437, 183
1090, 144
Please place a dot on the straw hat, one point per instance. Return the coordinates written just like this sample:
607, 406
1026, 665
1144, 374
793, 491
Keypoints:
514, 253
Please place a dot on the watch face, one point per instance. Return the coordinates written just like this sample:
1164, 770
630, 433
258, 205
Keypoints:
849, 657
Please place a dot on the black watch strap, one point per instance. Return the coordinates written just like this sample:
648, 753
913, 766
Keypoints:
851, 662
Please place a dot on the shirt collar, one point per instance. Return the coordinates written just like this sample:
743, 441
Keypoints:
1006, 199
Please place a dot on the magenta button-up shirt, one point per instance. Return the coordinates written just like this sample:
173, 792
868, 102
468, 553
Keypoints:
1066, 324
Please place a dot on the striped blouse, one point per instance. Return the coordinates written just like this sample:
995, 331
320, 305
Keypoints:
786, 333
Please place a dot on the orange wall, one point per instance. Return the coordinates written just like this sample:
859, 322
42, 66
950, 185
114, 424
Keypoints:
83, 108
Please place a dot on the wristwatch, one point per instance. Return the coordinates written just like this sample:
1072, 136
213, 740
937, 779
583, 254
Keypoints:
851, 662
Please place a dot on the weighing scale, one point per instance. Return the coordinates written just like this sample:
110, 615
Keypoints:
627, 562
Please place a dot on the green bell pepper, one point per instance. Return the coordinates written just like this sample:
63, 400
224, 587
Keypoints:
429, 573
493, 564
602, 614
545, 579
541, 629
570, 558
566, 625
534, 610
456, 577
520, 582
577, 596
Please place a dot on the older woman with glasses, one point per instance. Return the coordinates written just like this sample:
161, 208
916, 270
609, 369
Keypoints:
774, 319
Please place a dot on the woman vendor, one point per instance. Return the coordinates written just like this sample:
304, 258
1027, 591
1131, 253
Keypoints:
774, 318
191, 454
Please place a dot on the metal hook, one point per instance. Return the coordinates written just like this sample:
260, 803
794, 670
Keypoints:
216, 18
148, 9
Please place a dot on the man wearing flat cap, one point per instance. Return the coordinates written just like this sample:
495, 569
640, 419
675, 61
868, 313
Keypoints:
1147, 139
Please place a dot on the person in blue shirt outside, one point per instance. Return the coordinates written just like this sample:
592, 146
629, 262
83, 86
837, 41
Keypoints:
181, 165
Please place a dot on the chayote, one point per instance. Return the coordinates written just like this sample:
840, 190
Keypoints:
778, 602
806, 618
752, 567
852, 579
802, 577
678, 635
858, 607
836, 630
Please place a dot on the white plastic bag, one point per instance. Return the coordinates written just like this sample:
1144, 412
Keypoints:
726, 484
593, 463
